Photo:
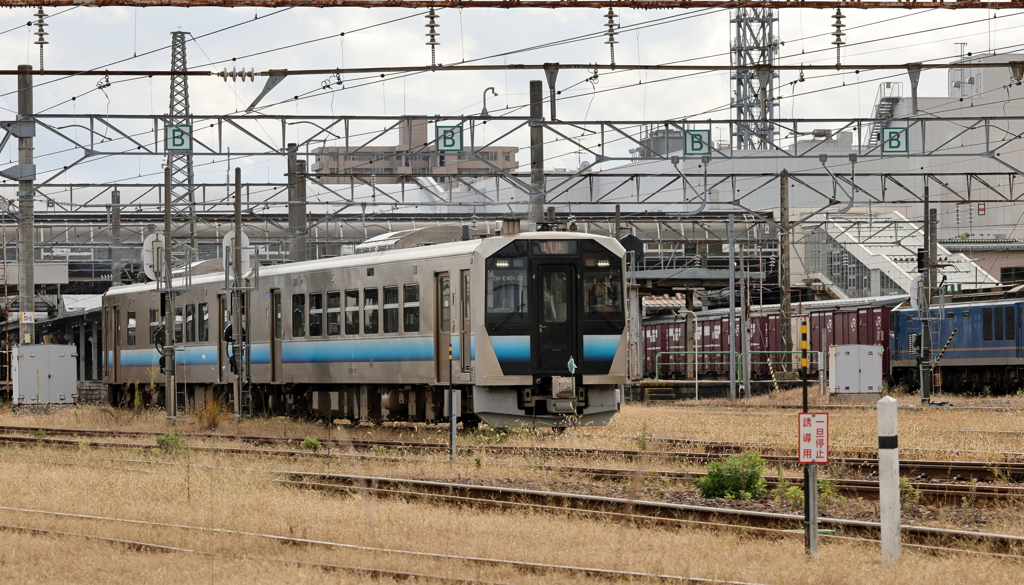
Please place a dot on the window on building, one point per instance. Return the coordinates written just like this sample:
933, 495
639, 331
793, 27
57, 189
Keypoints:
190, 323
298, 315
334, 313
316, 315
507, 158
334, 158
370, 316
204, 322
131, 328
351, 312
390, 309
411, 307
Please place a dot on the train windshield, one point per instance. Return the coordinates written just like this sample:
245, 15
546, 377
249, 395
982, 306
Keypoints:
602, 283
507, 281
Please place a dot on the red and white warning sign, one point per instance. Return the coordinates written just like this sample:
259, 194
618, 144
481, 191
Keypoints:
813, 437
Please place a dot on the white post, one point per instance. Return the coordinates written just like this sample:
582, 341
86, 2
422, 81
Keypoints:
889, 478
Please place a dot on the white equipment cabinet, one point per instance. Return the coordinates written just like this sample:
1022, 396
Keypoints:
855, 369
44, 374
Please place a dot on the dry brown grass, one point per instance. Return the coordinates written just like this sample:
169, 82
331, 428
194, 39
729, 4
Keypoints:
237, 493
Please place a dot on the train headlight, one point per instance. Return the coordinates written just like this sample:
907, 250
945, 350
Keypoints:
501, 263
603, 263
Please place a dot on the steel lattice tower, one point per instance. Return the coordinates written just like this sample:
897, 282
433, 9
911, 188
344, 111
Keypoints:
183, 208
754, 45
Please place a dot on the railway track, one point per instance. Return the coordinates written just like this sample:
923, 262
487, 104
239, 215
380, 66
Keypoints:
929, 491
656, 512
524, 566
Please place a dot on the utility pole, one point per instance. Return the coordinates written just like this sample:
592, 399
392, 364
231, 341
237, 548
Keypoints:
297, 210
732, 308
924, 303
170, 384
536, 214
237, 328
26, 209
115, 238
785, 283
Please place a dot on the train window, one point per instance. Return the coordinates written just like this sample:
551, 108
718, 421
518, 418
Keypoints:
446, 304
190, 323
998, 323
390, 309
370, 318
316, 315
986, 324
178, 322
131, 327
1011, 323
554, 297
602, 286
505, 291
334, 313
204, 322
949, 315
351, 312
154, 324
278, 321
298, 315
966, 315
411, 306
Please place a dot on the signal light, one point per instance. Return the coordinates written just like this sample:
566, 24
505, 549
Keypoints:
922, 259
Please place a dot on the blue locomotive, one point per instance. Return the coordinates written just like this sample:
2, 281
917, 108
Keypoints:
977, 342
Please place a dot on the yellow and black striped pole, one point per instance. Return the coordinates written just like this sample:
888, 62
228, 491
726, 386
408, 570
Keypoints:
936, 373
803, 357
944, 347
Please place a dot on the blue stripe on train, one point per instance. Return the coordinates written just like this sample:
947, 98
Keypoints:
511, 348
600, 348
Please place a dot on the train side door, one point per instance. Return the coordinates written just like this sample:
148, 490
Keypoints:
277, 330
465, 337
442, 326
223, 372
116, 345
1018, 310
556, 300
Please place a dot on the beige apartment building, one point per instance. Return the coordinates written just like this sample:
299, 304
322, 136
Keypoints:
399, 163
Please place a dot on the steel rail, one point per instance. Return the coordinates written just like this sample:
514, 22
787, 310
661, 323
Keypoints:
149, 546
964, 470
648, 509
524, 565
548, 4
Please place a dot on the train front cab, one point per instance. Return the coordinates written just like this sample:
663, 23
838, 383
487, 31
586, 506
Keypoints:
550, 299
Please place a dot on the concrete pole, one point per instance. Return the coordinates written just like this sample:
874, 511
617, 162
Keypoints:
170, 385
785, 284
889, 478
26, 211
924, 300
745, 328
297, 211
115, 238
732, 308
236, 294
536, 214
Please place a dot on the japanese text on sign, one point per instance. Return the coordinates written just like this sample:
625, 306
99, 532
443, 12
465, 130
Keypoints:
813, 438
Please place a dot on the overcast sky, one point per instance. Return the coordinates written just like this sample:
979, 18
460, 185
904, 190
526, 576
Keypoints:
85, 38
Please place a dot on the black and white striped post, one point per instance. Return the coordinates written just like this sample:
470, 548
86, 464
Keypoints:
889, 478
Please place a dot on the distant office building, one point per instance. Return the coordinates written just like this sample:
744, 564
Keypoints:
413, 155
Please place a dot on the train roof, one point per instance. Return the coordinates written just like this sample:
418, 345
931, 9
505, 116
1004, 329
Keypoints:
376, 258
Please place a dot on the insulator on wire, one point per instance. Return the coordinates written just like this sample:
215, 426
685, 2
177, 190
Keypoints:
432, 35
40, 33
838, 34
239, 75
611, 42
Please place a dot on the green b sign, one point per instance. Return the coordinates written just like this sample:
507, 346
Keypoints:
449, 138
895, 140
178, 138
698, 142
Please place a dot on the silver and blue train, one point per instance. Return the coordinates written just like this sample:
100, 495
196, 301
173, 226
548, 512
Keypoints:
535, 322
